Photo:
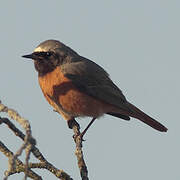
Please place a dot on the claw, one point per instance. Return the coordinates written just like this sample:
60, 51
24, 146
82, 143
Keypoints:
78, 136
72, 122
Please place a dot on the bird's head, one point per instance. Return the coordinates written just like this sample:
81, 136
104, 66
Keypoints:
50, 54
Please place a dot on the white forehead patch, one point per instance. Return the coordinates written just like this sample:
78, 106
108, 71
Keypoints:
39, 49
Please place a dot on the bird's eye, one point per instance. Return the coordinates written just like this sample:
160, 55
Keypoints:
48, 54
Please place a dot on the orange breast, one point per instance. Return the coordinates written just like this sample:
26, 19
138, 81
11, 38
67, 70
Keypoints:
69, 97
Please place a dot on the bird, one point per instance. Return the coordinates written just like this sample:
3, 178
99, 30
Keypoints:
81, 88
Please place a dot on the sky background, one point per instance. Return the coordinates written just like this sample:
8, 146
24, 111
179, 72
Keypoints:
137, 42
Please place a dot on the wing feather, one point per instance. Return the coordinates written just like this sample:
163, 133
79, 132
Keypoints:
92, 79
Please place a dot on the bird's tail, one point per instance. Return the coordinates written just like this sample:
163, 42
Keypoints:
137, 113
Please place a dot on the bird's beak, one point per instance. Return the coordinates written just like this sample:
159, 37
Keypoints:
30, 56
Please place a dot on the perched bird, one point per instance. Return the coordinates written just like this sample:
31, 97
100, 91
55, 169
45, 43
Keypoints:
80, 87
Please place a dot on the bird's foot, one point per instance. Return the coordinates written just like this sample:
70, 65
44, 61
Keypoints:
78, 136
72, 122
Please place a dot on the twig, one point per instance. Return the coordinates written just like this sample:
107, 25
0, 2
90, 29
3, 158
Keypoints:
26, 125
79, 153
78, 140
18, 165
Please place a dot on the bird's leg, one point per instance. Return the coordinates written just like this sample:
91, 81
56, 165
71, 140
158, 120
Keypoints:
72, 122
85, 130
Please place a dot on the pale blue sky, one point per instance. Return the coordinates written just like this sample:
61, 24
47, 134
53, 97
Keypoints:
137, 42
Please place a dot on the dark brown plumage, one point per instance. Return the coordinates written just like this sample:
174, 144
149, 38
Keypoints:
80, 87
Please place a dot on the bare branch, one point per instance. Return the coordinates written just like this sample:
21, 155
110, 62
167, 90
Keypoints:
16, 166
79, 153
19, 166
78, 140
26, 125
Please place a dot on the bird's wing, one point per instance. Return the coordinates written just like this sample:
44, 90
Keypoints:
92, 79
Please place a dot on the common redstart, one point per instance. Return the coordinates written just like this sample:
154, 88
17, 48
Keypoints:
80, 87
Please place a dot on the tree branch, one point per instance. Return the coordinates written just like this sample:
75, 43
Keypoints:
17, 166
79, 153
78, 140
26, 125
